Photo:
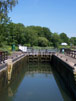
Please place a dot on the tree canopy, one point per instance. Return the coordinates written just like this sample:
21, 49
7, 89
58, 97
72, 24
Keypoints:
73, 41
12, 33
5, 6
64, 38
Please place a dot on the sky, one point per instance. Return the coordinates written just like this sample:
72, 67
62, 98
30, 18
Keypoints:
58, 15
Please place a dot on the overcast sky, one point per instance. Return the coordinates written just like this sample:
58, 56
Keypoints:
58, 15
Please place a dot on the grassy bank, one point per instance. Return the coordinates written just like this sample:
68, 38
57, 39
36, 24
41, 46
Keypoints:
8, 48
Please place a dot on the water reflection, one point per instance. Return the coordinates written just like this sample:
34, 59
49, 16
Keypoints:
66, 93
35, 82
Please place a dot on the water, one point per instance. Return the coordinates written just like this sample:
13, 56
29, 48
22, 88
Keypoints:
36, 82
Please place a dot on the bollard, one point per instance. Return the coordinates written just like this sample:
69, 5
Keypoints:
61, 56
66, 59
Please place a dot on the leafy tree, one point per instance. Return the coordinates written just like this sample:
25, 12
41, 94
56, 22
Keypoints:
1, 40
47, 33
73, 40
43, 42
3, 28
56, 40
64, 38
20, 33
31, 37
5, 6
11, 33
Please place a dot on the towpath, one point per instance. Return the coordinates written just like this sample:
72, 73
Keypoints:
68, 59
14, 56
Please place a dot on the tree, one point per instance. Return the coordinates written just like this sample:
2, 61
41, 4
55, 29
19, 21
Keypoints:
10, 33
64, 38
16, 33
1, 40
47, 33
5, 6
3, 33
31, 37
73, 41
43, 42
56, 40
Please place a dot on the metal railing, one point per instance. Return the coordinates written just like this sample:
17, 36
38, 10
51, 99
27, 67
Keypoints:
40, 52
3, 56
43, 49
71, 53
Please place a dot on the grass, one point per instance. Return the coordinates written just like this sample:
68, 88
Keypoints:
8, 48
63, 46
37, 47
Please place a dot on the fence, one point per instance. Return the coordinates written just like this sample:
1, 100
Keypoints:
71, 53
40, 52
3, 56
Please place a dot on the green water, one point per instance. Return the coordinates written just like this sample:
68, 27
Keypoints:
36, 82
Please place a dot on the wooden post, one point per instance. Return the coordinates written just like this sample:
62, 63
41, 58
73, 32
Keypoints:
9, 70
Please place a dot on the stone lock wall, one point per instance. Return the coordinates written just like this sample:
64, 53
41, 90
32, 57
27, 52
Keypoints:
14, 67
67, 73
3, 79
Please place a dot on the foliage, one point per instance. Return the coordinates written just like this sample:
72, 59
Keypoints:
73, 41
56, 40
11, 33
64, 38
60, 46
43, 42
31, 36
5, 6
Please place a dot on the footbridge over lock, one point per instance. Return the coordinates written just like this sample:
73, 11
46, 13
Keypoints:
40, 56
